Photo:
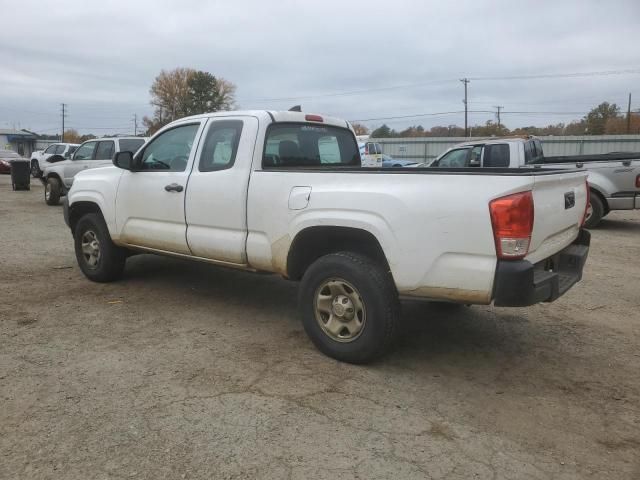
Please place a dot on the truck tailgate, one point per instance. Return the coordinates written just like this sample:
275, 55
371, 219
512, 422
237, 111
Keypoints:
559, 206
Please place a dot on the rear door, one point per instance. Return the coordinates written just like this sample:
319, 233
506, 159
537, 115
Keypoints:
216, 198
559, 202
104, 154
150, 203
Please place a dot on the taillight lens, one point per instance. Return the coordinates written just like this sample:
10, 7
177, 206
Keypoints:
313, 118
637, 181
512, 221
586, 207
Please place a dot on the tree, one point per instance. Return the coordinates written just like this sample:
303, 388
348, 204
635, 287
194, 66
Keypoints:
202, 93
226, 94
360, 129
598, 117
382, 132
185, 91
72, 136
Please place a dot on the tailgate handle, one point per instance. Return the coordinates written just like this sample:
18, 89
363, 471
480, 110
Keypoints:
569, 200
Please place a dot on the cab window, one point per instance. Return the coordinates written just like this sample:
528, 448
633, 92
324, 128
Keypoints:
51, 149
454, 159
105, 150
496, 155
221, 145
85, 151
170, 150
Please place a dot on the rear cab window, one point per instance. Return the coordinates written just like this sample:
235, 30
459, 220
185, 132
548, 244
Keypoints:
130, 144
300, 145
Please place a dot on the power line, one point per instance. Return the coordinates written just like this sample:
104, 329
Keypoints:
630, 71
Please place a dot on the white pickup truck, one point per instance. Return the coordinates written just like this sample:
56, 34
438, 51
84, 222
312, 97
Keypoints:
614, 178
285, 192
40, 158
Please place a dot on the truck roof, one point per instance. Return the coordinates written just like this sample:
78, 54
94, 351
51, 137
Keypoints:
278, 116
491, 140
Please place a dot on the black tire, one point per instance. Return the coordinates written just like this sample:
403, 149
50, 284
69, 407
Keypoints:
375, 290
35, 169
52, 191
597, 212
110, 263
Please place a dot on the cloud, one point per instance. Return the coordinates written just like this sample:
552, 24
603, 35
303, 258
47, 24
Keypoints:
100, 59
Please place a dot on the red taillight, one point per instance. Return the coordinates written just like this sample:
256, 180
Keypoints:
586, 207
512, 221
313, 118
637, 181
366, 150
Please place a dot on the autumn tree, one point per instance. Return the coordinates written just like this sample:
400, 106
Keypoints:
185, 91
597, 118
360, 129
72, 136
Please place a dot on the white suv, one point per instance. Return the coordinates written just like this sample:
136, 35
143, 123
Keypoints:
58, 177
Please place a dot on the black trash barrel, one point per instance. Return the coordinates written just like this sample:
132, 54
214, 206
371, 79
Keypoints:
21, 175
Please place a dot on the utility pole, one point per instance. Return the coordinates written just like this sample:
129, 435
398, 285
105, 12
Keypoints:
629, 115
64, 114
135, 124
498, 107
466, 106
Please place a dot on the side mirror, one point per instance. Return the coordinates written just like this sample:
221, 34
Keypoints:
55, 158
124, 160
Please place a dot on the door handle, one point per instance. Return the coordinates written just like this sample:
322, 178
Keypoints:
173, 187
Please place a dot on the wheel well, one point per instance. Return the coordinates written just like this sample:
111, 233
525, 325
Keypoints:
314, 242
79, 209
601, 198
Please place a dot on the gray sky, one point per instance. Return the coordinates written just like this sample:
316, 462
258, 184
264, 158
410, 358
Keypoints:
101, 57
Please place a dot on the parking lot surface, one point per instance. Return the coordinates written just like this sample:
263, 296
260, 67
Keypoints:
184, 370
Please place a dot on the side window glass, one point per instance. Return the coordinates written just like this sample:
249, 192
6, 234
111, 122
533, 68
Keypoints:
496, 155
528, 156
170, 151
221, 145
85, 152
105, 150
475, 156
454, 159
51, 149
59, 150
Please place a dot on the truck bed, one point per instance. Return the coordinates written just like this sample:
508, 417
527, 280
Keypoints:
602, 157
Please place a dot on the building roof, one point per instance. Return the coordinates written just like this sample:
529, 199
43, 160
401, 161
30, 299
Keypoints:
20, 133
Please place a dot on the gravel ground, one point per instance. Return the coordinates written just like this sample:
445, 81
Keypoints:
183, 370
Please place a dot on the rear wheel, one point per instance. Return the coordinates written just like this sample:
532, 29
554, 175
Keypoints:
52, 190
98, 257
349, 307
595, 212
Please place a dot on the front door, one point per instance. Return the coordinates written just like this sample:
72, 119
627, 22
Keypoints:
150, 202
83, 156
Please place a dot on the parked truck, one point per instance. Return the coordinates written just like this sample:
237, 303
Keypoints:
286, 192
59, 151
614, 178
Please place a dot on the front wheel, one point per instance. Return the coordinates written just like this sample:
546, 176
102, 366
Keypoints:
98, 257
35, 169
349, 307
52, 191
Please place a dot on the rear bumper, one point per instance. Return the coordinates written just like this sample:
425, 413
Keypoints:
520, 283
